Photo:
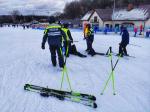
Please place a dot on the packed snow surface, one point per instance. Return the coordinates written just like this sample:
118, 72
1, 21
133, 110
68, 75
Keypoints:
23, 61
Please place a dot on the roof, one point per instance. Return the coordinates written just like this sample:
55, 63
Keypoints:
138, 13
105, 14
87, 16
148, 9
71, 21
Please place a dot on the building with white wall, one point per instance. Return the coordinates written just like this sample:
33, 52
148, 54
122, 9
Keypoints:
105, 17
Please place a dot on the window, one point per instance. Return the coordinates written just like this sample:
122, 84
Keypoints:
107, 25
95, 19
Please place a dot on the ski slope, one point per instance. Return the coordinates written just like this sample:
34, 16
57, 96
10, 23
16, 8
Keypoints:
23, 61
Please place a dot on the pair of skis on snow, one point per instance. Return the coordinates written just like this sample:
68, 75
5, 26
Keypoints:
85, 99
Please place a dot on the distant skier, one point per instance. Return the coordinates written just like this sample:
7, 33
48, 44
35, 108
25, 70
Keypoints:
95, 29
54, 34
116, 29
124, 42
69, 39
148, 32
105, 30
89, 36
135, 31
141, 29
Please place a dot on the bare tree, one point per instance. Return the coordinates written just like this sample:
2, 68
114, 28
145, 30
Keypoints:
15, 15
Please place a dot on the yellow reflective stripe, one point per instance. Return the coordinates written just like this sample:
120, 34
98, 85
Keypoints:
49, 27
66, 30
53, 27
45, 31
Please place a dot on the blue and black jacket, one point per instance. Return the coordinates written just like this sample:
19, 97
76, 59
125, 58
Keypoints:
54, 35
125, 37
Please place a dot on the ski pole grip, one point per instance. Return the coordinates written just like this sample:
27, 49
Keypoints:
110, 49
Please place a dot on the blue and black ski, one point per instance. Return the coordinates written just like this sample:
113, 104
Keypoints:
85, 99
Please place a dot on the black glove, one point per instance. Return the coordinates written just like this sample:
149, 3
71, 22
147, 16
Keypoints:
43, 47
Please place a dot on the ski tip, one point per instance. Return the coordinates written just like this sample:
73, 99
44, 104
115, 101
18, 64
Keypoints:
94, 105
26, 86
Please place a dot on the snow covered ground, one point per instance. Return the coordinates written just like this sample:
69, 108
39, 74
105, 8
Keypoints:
23, 61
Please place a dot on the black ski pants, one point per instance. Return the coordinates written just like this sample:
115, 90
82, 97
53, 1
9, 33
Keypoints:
56, 49
122, 49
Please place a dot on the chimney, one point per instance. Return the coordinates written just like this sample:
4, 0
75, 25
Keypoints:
130, 7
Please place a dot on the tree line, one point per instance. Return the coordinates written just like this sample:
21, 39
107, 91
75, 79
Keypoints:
17, 18
72, 10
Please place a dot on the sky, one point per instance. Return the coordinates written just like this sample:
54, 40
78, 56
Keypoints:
40, 7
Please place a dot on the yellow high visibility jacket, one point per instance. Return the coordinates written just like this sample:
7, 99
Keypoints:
66, 32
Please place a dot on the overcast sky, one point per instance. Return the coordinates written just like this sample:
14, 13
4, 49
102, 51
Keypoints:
42, 7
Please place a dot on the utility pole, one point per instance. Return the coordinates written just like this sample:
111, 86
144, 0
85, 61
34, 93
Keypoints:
114, 7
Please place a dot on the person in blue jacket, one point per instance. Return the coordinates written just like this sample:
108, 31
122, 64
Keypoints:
124, 42
55, 36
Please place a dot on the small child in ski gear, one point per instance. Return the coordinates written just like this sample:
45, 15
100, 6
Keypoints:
89, 36
54, 35
124, 42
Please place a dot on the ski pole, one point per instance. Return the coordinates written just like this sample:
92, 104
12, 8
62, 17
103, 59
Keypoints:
113, 80
110, 55
111, 75
62, 80
65, 71
68, 78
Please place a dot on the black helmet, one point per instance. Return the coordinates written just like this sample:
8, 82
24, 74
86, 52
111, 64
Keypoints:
65, 25
51, 19
88, 26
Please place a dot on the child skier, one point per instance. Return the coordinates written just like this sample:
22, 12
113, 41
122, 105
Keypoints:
89, 36
135, 31
124, 43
